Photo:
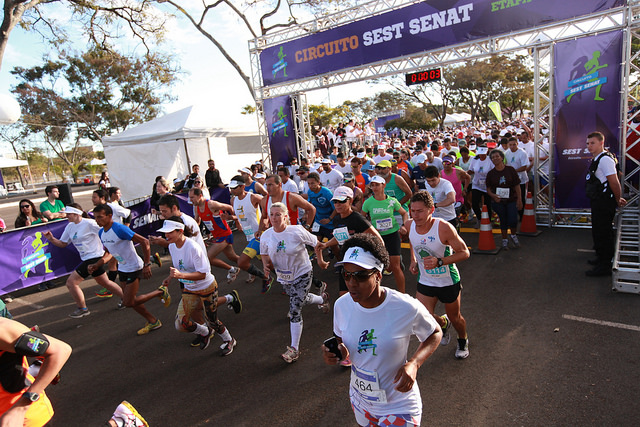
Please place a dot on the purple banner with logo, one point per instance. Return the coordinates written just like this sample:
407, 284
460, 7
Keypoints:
282, 138
27, 258
380, 122
417, 28
40, 261
586, 99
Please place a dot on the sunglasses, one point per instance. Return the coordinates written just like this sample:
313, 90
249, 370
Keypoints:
25, 206
358, 276
340, 201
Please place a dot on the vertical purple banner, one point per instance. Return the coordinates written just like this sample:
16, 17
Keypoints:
282, 138
586, 99
27, 258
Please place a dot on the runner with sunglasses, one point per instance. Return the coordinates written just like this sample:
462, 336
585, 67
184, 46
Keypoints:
383, 388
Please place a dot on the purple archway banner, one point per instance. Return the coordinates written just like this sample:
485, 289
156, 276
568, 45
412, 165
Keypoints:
413, 29
586, 99
282, 138
27, 258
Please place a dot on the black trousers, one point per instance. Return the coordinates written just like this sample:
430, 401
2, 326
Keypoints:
602, 212
476, 199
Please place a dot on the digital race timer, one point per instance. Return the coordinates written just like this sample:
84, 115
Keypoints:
423, 76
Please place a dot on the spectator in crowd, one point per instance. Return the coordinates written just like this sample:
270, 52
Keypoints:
28, 214
212, 177
104, 182
3, 226
52, 208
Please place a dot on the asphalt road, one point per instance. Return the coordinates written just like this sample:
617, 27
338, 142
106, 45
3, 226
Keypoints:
530, 364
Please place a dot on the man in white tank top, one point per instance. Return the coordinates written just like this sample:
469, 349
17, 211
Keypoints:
435, 248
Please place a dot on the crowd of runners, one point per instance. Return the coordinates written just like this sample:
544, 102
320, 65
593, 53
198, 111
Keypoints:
353, 203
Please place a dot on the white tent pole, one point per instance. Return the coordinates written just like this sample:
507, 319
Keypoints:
186, 152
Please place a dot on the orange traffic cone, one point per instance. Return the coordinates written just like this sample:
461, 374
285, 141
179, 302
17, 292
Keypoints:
528, 225
486, 242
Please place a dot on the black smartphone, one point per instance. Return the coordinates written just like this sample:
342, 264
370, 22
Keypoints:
332, 345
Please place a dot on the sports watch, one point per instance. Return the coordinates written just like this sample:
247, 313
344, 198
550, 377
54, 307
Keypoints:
440, 262
33, 397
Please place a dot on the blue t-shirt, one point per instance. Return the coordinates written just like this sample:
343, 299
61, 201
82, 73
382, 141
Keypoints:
417, 175
323, 204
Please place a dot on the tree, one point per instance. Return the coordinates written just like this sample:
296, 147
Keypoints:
266, 11
321, 115
85, 97
370, 107
414, 119
101, 21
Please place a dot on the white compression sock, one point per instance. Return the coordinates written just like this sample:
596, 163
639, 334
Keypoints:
296, 333
201, 329
226, 336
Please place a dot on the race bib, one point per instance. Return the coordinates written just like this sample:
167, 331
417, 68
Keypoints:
248, 231
284, 275
503, 193
438, 271
482, 181
209, 225
118, 258
186, 282
341, 234
367, 385
316, 227
384, 224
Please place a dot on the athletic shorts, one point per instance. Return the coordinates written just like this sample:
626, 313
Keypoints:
364, 418
83, 269
446, 294
392, 243
253, 249
228, 239
194, 301
127, 278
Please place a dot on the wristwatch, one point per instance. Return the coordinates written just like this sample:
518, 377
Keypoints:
33, 397
440, 262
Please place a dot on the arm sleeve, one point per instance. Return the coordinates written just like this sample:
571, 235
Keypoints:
122, 231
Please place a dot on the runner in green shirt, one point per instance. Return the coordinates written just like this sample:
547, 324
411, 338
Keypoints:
380, 208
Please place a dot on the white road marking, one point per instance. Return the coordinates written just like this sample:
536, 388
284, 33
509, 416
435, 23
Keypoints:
39, 200
21, 301
602, 322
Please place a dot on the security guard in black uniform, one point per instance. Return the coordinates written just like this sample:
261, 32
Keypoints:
603, 188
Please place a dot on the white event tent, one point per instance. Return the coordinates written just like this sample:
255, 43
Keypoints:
457, 118
171, 145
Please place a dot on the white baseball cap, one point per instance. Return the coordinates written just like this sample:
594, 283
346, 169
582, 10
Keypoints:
234, 184
378, 179
260, 175
342, 193
245, 170
421, 158
482, 150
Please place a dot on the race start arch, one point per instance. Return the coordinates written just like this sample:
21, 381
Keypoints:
584, 75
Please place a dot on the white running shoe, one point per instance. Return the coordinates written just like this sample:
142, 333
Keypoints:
128, 415
232, 274
462, 352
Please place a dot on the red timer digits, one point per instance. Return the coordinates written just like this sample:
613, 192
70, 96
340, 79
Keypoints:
423, 76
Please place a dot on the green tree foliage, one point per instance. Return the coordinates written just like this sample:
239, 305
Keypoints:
100, 20
415, 118
321, 115
85, 97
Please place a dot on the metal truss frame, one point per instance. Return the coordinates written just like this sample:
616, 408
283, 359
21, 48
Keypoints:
538, 41
301, 124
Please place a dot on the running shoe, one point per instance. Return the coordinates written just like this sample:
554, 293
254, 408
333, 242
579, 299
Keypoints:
446, 332
128, 416
232, 274
205, 340
227, 348
505, 244
267, 282
236, 304
515, 241
250, 279
386, 272
104, 293
121, 305
291, 355
462, 352
155, 258
326, 305
322, 288
196, 341
150, 327
165, 297
80, 312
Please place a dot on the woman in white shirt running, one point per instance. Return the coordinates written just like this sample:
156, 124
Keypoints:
282, 248
383, 389
199, 287
83, 233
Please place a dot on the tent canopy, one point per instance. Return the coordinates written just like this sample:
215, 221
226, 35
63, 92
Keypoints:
169, 146
457, 118
11, 163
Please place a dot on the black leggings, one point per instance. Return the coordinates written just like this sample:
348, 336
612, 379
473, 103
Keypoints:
476, 196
